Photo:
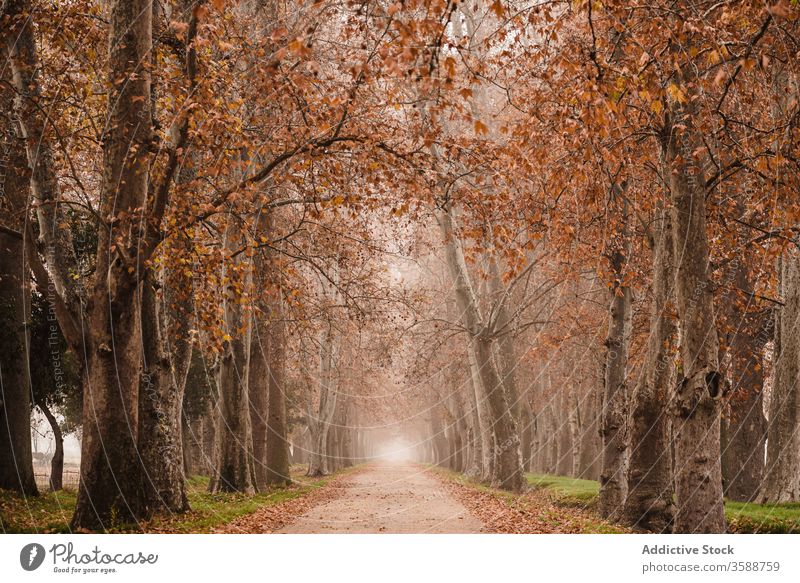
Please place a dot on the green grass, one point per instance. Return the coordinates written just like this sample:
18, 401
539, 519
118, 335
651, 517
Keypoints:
51, 512
565, 490
751, 518
211, 510
48, 512
742, 517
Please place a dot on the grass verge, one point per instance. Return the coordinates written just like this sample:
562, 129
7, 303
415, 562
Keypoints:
51, 511
565, 490
531, 512
744, 518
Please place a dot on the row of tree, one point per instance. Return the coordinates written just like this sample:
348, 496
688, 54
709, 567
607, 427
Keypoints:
555, 236
672, 129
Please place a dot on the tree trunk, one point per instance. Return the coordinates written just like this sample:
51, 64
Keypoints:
439, 440
612, 476
575, 431
277, 454
456, 431
110, 488
163, 378
190, 445
527, 430
319, 423
782, 472
258, 391
233, 469
507, 472
16, 459
57, 463
696, 401
332, 445
484, 435
457, 451
208, 437
591, 447
649, 503
474, 467
166, 343
553, 442
744, 430
20, 43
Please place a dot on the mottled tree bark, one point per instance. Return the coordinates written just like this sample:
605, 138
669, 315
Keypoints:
782, 471
649, 503
162, 381
744, 429
166, 345
696, 400
110, 488
613, 486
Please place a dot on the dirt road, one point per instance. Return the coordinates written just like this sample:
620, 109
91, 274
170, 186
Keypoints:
389, 498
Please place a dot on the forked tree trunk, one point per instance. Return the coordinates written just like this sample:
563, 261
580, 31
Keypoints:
507, 471
166, 342
649, 504
110, 489
782, 472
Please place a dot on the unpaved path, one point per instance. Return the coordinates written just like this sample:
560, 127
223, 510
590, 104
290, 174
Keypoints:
388, 498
